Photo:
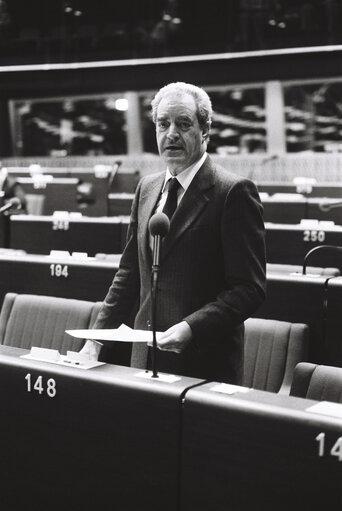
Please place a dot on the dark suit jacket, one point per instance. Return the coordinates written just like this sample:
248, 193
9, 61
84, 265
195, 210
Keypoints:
212, 272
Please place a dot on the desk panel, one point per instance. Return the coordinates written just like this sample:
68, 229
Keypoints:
288, 244
316, 190
55, 276
284, 211
120, 203
314, 209
94, 185
98, 439
257, 451
59, 194
40, 235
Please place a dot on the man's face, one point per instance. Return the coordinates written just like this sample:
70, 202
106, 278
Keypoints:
179, 136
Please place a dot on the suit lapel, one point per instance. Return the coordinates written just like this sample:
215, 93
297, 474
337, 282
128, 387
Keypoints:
191, 205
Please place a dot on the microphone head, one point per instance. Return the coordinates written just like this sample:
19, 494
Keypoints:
159, 225
324, 206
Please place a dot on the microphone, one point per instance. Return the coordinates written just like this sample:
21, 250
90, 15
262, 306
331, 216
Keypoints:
12, 203
327, 206
159, 226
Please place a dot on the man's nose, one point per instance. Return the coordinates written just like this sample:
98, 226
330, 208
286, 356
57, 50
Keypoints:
172, 132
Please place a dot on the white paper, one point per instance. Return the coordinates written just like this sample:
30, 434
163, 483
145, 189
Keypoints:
327, 408
122, 334
226, 388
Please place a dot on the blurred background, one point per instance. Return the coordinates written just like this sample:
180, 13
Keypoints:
77, 76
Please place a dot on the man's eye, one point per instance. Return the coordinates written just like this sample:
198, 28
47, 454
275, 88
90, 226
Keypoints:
162, 124
184, 125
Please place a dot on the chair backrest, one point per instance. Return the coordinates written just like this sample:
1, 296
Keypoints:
319, 382
36, 320
272, 350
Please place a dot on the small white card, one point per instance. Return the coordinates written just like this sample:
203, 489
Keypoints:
72, 359
326, 408
227, 388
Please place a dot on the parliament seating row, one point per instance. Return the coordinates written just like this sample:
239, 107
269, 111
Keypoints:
272, 348
297, 269
292, 208
82, 439
289, 244
117, 180
308, 189
93, 193
59, 274
286, 244
293, 298
99, 194
72, 232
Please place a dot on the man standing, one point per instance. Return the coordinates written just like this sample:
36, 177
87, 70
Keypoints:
212, 274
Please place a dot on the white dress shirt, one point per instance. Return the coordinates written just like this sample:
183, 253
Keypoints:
185, 177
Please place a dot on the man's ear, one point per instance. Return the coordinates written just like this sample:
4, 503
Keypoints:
205, 132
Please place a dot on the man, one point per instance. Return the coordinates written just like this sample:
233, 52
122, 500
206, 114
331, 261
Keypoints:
212, 274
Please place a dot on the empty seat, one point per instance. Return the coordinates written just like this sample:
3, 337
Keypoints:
272, 350
36, 320
319, 382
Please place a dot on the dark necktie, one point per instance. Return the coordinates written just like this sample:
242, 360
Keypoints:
171, 201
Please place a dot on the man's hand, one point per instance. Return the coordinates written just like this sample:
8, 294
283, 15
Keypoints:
91, 349
175, 339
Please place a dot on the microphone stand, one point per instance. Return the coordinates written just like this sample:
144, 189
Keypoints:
154, 283
159, 226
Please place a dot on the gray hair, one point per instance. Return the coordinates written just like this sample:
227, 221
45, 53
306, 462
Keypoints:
204, 108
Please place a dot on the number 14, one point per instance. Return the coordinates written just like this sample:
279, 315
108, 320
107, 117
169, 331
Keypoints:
336, 449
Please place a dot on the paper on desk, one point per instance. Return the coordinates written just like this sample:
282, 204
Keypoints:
122, 334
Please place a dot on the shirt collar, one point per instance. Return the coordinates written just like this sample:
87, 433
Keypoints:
186, 176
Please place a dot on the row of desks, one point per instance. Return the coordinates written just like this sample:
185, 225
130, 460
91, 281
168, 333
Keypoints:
72, 232
310, 299
113, 436
304, 187
68, 194
286, 244
291, 208
92, 194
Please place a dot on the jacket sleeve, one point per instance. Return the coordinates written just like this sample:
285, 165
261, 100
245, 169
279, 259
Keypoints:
243, 243
122, 297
